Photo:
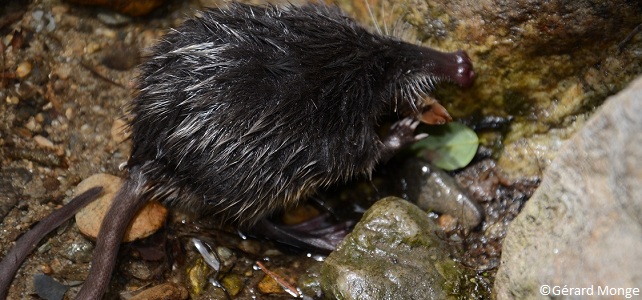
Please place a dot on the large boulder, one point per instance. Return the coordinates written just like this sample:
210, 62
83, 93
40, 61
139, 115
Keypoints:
583, 226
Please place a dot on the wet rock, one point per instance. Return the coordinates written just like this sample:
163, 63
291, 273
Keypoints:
140, 270
233, 284
434, 190
147, 221
197, 274
544, 65
78, 251
309, 282
393, 253
582, 227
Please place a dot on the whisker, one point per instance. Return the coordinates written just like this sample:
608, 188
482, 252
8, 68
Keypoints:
383, 17
372, 16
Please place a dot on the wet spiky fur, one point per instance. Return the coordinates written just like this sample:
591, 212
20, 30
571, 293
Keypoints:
246, 110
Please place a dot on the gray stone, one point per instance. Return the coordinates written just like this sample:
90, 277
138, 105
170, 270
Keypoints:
434, 190
48, 288
582, 227
393, 253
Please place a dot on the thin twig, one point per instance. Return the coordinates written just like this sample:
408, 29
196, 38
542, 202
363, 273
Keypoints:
101, 76
280, 280
628, 38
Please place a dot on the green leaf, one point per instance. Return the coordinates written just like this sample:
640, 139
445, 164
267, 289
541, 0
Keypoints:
450, 147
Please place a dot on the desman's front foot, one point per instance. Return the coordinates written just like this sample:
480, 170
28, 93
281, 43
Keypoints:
402, 134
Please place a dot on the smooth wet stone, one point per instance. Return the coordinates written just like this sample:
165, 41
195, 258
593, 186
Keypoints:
434, 190
582, 227
393, 253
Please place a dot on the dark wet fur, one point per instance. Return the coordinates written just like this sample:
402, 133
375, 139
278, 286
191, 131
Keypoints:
247, 110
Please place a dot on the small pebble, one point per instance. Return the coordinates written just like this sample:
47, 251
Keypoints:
37, 15
46, 107
78, 251
39, 117
12, 100
113, 19
106, 32
60, 9
43, 142
63, 71
140, 270
31, 124
85, 128
225, 254
233, 283
97, 109
250, 246
147, 221
51, 26
46, 269
69, 113
197, 275
91, 48
448, 223
23, 69
42, 20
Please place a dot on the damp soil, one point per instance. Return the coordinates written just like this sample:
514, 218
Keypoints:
67, 73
